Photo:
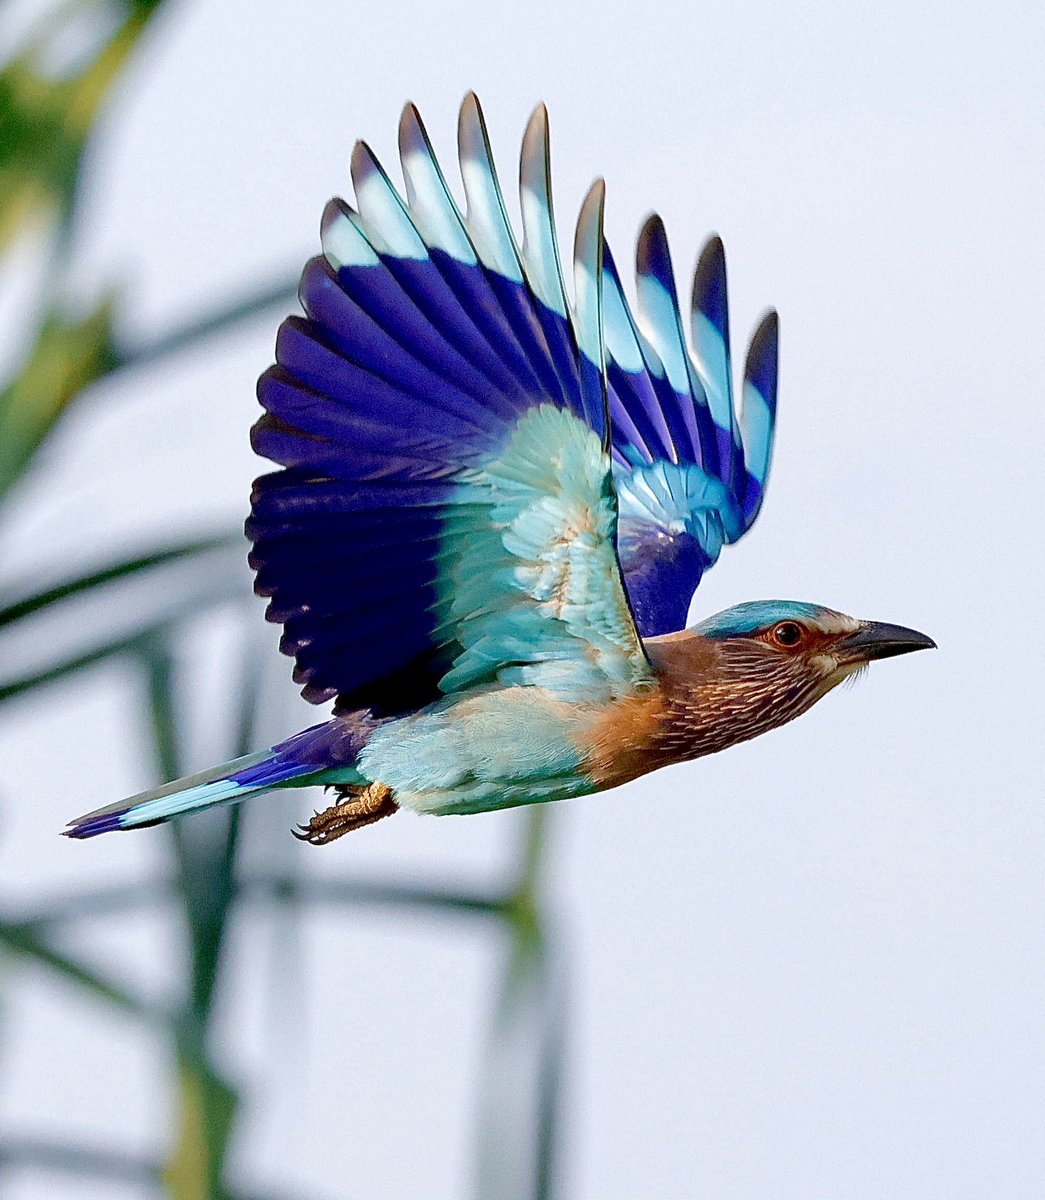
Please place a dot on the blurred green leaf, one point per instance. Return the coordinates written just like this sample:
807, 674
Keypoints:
34, 602
262, 887
23, 940
112, 1166
46, 117
208, 1106
86, 1162
522, 1068
551, 1050
221, 318
89, 658
75, 623
208, 1103
376, 892
68, 355
157, 659
205, 886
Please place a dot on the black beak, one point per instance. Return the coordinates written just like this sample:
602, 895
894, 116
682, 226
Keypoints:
876, 639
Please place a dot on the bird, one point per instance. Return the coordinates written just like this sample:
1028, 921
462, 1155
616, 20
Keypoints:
493, 504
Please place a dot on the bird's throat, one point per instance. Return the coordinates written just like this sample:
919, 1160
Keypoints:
698, 707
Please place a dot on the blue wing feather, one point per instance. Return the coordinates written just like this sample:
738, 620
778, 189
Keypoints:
486, 216
709, 330
588, 327
632, 367
540, 251
684, 405
710, 468
758, 417
432, 207
446, 514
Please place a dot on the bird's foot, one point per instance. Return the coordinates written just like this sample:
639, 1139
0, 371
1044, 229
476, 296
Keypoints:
364, 806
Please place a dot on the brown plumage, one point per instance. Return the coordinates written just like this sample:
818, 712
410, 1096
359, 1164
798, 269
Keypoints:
716, 691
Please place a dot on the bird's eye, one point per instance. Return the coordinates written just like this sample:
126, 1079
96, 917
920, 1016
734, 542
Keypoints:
787, 633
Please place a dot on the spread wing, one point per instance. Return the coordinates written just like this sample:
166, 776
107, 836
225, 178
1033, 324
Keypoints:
447, 512
445, 517
689, 473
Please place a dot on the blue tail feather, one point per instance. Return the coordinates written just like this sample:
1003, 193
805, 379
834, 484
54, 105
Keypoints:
226, 784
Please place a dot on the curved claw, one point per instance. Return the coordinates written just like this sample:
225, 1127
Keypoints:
364, 807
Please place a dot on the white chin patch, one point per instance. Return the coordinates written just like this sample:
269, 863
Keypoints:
825, 664
833, 672
836, 622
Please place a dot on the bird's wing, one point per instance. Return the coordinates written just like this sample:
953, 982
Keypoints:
445, 516
689, 472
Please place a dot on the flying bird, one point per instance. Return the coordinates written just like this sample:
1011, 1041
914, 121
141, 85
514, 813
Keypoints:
494, 504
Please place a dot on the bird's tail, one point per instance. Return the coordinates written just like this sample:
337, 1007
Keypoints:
226, 784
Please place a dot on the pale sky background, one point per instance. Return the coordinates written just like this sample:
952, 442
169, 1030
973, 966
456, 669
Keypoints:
812, 967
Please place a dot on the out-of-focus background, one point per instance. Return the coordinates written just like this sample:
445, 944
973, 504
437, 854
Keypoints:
810, 967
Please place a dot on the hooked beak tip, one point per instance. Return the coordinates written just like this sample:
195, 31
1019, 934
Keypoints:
877, 639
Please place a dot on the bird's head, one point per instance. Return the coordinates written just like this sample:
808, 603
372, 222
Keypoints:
766, 662
806, 644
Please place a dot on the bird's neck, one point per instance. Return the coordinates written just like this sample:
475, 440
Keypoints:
705, 707
697, 708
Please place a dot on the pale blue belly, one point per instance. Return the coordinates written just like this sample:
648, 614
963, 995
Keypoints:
496, 749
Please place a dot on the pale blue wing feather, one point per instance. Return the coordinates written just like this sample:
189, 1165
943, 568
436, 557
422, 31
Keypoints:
709, 330
487, 217
587, 314
432, 206
758, 416
540, 250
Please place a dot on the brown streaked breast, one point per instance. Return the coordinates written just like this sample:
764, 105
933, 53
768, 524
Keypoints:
651, 730
623, 741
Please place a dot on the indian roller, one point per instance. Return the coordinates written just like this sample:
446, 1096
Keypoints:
494, 504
